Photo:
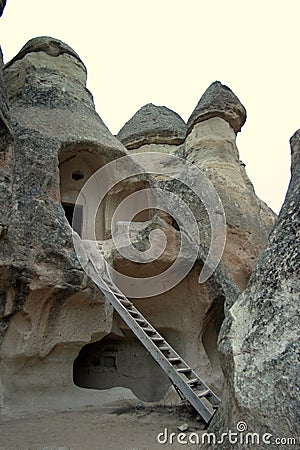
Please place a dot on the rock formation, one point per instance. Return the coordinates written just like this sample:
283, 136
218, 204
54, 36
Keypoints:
44, 291
153, 125
5, 133
219, 101
2, 6
259, 337
56, 328
211, 145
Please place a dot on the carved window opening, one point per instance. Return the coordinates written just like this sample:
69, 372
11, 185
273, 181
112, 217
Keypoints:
77, 223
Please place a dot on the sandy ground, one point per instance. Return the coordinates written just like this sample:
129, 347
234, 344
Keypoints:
125, 425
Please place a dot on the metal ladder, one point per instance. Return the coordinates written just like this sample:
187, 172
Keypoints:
191, 386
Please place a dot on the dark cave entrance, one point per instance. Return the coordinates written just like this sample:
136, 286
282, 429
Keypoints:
120, 362
69, 209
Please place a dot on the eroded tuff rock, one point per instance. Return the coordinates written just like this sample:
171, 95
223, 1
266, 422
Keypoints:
6, 161
211, 145
46, 44
219, 101
259, 337
50, 310
153, 125
5, 132
45, 294
47, 92
2, 6
4, 111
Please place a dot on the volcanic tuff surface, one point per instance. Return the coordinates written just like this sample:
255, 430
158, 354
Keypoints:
42, 282
259, 339
52, 141
219, 101
153, 125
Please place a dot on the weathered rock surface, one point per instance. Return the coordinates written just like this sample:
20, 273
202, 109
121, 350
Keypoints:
49, 308
5, 132
219, 101
4, 112
47, 91
2, 6
259, 338
211, 145
153, 125
46, 44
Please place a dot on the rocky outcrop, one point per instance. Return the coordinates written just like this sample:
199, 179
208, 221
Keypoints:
49, 308
5, 132
259, 337
47, 80
219, 101
51, 314
46, 44
6, 161
211, 145
153, 125
2, 6
4, 112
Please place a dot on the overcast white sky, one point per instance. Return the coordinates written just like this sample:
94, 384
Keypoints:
168, 52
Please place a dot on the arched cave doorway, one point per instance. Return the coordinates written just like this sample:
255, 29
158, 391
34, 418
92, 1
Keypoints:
77, 164
120, 362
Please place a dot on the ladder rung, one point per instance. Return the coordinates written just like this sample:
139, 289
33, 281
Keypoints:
164, 349
157, 339
149, 330
140, 321
184, 370
125, 302
174, 360
133, 312
193, 381
203, 393
119, 295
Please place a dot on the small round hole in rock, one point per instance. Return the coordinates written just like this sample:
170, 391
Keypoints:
77, 175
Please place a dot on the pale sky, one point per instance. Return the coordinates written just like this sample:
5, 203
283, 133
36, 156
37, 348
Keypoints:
168, 52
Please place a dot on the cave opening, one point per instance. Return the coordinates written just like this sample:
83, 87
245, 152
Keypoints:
120, 362
75, 220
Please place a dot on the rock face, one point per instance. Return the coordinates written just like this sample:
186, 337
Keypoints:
5, 132
219, 101
259, 337
47, 80
46, 44
211, 145
54, 325
4, 112
44, 292
2, 6
153, 125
